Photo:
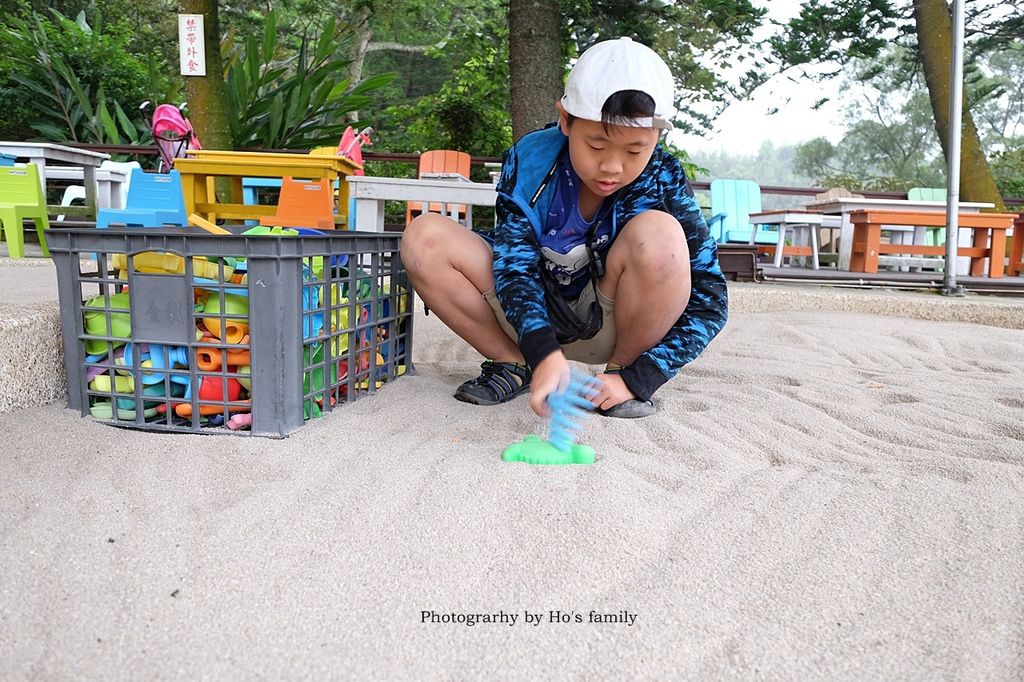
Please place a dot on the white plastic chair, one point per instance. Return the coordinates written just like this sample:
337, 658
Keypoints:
71, 194
126, 167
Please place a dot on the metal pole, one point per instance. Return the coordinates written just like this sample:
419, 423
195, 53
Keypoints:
949, 285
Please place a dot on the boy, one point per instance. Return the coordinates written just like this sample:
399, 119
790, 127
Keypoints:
599, 253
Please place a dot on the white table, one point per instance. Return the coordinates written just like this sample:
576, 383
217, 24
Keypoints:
371, 192
46, 155
110, 183
794, 219
845, 205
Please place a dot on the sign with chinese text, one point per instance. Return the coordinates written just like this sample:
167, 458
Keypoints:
191, 46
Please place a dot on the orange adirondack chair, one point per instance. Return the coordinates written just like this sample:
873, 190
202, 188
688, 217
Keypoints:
440, 163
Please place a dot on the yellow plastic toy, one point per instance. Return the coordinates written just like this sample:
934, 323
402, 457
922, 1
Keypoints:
155, 262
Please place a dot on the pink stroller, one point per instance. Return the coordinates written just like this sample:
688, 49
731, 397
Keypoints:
352, 143
173, 135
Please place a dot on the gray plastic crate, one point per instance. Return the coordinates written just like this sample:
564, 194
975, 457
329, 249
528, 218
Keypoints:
174, 329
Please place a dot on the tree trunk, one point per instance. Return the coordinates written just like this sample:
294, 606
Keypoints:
207, 95
363, 34
536, 63
935, 49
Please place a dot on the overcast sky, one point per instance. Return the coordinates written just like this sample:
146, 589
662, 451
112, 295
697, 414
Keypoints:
743, 126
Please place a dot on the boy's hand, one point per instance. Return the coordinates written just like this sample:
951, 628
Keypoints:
613, 391
549, 376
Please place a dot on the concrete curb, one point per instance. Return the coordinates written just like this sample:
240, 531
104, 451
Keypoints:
985, 310
31, 356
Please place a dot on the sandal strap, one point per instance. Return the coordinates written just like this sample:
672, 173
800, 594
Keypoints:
500, 377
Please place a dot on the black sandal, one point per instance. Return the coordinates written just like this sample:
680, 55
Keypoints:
630, 409
498, 383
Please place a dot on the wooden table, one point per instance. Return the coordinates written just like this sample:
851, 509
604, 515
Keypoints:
203, 165
370, 194
844, 206
989, 238
46, 154
110, 183
795, 219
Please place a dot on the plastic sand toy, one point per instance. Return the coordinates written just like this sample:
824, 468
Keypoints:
567, 407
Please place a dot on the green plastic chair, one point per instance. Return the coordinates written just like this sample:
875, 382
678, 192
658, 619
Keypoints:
732, 202
21, 197
932, 237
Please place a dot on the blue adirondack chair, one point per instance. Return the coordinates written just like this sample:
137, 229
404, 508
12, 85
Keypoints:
732, 202
7, 159
154, 199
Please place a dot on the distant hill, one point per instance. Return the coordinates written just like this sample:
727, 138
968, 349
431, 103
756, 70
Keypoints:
770, 165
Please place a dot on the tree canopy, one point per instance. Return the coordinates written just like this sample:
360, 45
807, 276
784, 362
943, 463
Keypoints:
841, 31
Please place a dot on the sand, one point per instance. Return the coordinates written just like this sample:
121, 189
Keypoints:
822, 495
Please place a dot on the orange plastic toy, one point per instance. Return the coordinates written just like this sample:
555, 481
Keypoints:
210, 359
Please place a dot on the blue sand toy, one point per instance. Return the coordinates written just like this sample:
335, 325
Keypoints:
567, 407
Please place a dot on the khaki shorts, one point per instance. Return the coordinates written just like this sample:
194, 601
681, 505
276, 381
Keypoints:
592, 351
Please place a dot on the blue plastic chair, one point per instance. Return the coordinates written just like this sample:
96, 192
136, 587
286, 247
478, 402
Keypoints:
154, 199
251, 188
732, 202
7, 159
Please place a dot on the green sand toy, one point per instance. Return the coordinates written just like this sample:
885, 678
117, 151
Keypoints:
566, 408
535, 450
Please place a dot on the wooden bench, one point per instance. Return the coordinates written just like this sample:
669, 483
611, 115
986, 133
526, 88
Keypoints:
1016, 266
989, 238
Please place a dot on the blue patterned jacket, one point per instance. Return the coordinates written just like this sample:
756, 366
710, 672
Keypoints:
523, 201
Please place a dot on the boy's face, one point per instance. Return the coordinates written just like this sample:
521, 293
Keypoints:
607, 158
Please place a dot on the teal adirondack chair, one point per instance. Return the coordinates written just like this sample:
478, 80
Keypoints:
732, 202
932, 237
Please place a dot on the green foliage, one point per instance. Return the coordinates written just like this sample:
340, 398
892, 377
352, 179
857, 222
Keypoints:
690, 167
890, 141
452, 85
466, 113
995, 90
74, 82
294, 101
836, 31
1008, 170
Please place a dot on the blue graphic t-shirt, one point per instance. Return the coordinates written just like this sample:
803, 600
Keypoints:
564, 240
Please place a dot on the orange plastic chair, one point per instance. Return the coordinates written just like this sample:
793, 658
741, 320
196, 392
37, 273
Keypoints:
21, 197
440, 163
304, 203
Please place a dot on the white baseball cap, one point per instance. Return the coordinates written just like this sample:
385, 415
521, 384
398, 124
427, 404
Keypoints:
614, 65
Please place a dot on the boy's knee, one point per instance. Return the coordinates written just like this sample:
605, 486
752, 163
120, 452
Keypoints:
656, 244
422, 237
